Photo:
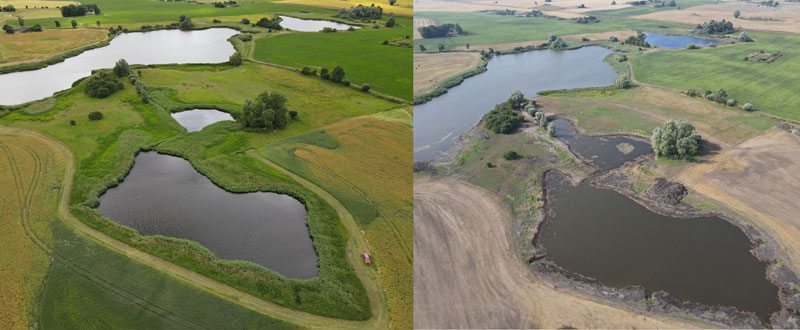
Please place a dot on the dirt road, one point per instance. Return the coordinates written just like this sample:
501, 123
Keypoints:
467, 274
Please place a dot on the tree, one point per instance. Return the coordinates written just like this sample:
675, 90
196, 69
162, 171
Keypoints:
337, 74
9, 8
72, 122
122, 69
675, 140
552, 38
186, 23
559, 43
502, 120
613, 39
365, 88
747, 107
721, 96
736, 13
74, 24
467, 45
58, 24
101, 85
235, 59
95, 115
730, 102
293, 114
516, 100
245, 21
511, 155
324, 73
441, 47
8, 28
614, 3
98, 23
743, 37
551, 129
422, 48
392, 2
21, 21
35, 28
390, 22
541, 117
273, 23
266, 111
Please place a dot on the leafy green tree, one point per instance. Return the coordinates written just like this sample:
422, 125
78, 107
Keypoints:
552, 38
721, 96
95, 115
58, 24
541, 117
747, 107
516, 100
270, 23
186, 24
365, 88
390, 22
235, 59
101, 85
558, 44
122, 69
266, 111
441, 47
502, 120
74, 24
422, 48
8, 28
675, 140
551, 129
9, 8
337, 74
245, 21
511, 155
730, 102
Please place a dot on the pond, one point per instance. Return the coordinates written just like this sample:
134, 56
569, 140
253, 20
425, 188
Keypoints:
607, 236
311, 25
165, 195
155, 47
195, 120
439, 122
667, 41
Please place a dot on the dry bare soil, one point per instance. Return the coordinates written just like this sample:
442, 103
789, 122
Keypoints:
431, 69
467, 275
788, 14
758, 178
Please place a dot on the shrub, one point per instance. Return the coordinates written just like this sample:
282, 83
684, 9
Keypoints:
743, 37
235, 59
721, 96
502, 120
72, 122
511, 155
365, 88
337, 74
122, 69
710, 96
270, 23
516, 100
8, 28
35, 28
613, 39
351, 29
675, 140
246, 38
390, 22
266, 111
95, 115
293, 114
245, 21
489, 165
691, 92
216, 21
551, 129
307, 71
346, 82
747, 107
692, 46
101, 85
328, 30
730, 102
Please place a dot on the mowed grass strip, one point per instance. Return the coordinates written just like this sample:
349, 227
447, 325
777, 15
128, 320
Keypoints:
487, 29
29, 46
387, 69
356, 160
770, 87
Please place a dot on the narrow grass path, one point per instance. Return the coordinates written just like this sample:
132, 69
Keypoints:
378, 320
356, 245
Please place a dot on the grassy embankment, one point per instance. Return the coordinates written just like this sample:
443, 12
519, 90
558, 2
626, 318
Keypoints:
356, 160
86, 285
770, 87
487, 29
360, 53
104, 151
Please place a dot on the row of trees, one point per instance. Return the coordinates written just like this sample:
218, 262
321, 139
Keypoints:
270, 23
439, 31
715, 27
361, 12
79, 10
337, 75
637, 40
224, 4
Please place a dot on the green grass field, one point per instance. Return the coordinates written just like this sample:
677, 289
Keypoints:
104, 150
365, 60
485, 29
641, 10
770, 87
115, 12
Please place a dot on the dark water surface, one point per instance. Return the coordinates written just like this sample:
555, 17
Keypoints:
438, 123
312, 25
195, 120
667, 41
605, 235
165, 195
155, 47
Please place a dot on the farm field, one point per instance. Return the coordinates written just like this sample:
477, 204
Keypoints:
78, 288
355, 160
641, 10
768, 86
26, 47
360, 53
401, 8
490, 29
431, 69
786, 18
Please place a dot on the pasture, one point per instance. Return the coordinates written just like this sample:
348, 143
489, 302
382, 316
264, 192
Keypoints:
360, 53
40, 45
770, 87
355, 160
490, 29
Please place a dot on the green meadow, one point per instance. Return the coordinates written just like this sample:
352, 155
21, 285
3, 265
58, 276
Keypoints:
360, 53
770, 87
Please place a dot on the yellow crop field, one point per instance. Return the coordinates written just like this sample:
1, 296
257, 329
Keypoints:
40, 45
30, 173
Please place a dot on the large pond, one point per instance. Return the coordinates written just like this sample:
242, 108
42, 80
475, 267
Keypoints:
195, 120
605, 235
438, 123
165, 195
667, 41
309, 25
156, 47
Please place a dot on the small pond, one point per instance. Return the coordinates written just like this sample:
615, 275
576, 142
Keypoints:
439, 123
607, 236
310, 25
195, 120
667, 41
165, 195
155, 47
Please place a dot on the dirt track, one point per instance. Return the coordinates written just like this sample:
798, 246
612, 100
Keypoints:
758, 178
467, 275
